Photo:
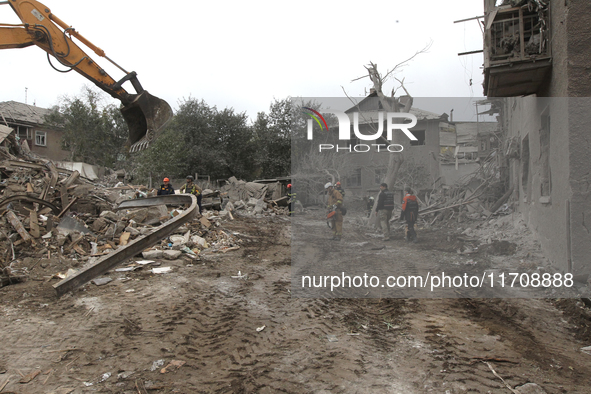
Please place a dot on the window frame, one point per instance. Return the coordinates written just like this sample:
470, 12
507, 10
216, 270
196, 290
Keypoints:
40, 134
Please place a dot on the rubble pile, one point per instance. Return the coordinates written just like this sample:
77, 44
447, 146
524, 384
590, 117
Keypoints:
54, 222
253, 199
478, 197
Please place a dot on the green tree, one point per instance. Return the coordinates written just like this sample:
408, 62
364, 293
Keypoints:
272, 134
200, 139
93, 132
235, 144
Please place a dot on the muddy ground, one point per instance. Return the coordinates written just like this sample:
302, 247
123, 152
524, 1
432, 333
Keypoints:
204, 328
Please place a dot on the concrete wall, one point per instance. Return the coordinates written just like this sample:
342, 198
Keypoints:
580, 184
449, 174
562, 220
53, 149
578, 43
546, 213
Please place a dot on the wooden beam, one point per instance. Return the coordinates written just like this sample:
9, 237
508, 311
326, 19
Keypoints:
34, 224
18, 226
64, 188
469, 19
67, 207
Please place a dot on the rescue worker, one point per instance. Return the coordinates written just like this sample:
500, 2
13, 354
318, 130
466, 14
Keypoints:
334, 214
410, 213
192, 188
292, 199
166, 188
340, 189
384, 209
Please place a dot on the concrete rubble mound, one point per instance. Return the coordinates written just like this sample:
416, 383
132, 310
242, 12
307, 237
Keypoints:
55, 222
253, 199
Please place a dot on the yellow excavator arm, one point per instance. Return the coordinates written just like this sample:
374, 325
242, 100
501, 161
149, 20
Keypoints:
145, 115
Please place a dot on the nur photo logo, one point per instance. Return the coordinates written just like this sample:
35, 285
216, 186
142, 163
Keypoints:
391, 120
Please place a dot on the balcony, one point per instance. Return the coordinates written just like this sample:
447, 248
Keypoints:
517, 56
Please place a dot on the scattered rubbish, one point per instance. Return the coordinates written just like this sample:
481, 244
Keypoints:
259, 329
240, 276
145, 262
69, 225
29, 377
157, 364
161, 270
104, 377
130, 291
225, 250
101, 281
586, 349
127, 269
190, 253
173, 363
124, 374
68, 273
332, 338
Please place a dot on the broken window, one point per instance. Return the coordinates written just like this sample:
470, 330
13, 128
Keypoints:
355, 178
518, 33
40, 138
545, 176
420, 136
23, 132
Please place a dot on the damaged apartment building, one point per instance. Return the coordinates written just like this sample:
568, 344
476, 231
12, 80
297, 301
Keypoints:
537, 68
446, 153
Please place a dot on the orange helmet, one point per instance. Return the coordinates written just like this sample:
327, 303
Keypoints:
289, 185
166, 180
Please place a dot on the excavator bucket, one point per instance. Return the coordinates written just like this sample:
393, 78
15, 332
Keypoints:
146, 116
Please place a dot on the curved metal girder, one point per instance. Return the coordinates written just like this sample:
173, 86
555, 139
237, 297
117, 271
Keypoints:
139, 244
24, 197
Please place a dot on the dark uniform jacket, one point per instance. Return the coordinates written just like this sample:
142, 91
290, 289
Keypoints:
165, 190
385, 200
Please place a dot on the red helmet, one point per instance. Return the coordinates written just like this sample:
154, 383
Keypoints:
166, 180
338, 183
289, 185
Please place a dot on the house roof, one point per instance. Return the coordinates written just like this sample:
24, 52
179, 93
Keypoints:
4, 132
370, 106
23, 113
468, 131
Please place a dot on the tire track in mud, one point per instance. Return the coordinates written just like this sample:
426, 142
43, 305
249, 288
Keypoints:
294, 352
462, 335
204, 317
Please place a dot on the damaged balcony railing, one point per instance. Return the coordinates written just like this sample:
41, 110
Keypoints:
518, 34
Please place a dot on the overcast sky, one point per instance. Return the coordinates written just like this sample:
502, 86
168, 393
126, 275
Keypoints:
244, 54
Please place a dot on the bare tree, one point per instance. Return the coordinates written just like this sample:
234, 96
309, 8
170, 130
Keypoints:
391, 104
